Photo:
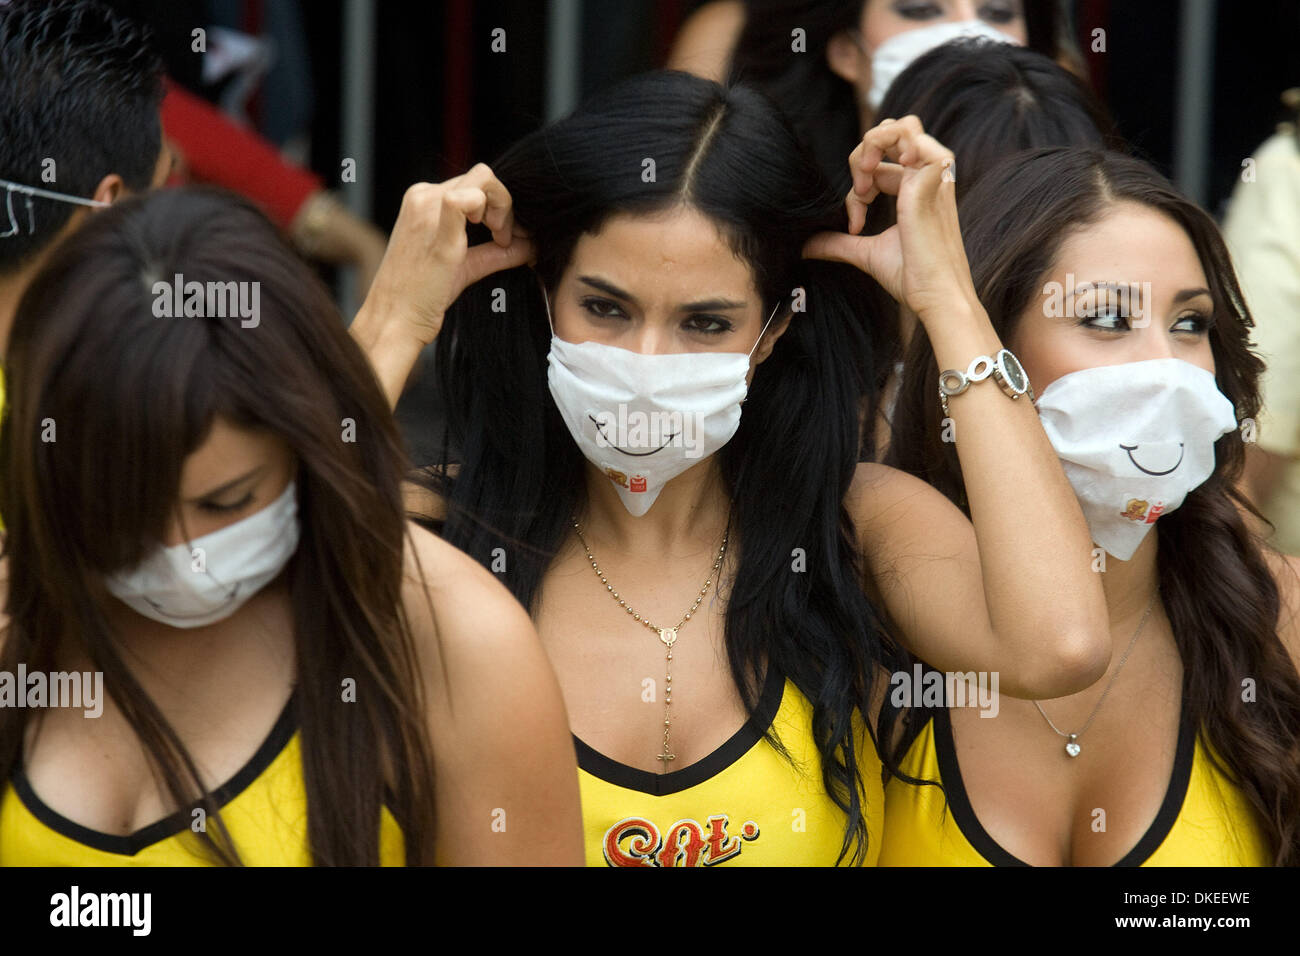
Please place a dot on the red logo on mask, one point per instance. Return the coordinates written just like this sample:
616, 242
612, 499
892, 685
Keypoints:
638, 483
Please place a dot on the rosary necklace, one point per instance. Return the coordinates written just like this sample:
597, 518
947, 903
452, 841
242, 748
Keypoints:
668, 635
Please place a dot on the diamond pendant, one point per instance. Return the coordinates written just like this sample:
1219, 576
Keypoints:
1071, 747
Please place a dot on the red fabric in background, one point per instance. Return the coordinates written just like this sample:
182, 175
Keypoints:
217, 150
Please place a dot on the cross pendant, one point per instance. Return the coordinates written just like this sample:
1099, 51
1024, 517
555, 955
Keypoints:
665, 757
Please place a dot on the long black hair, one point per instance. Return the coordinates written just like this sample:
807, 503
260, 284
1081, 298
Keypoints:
728, 154
1216, 586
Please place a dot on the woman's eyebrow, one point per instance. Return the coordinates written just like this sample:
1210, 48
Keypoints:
1108, 285
1186, 294
609, 289
716, 304
712, 305
229, 484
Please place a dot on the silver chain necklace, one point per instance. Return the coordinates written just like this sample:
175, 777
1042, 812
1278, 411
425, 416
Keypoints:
1072, 747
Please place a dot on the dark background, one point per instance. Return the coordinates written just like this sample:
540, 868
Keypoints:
444, 101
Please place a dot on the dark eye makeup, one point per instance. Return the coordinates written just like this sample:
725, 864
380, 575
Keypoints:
701, 323
217, 508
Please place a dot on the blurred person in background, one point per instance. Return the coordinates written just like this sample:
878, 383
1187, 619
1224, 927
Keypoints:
828, 63
214, 140
80, 90
1263, 229
984, 101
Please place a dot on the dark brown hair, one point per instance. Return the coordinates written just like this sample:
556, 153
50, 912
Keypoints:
1215, 583
132, 395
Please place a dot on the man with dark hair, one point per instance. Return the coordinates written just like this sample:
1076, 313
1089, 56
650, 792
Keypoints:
80, 91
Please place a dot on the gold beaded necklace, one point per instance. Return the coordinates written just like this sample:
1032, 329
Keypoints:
668, 635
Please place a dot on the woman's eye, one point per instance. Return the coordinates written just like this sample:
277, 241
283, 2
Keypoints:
602, 308
999, 13
918, 11
1195, 323
217, 508
1104, 317
708, 324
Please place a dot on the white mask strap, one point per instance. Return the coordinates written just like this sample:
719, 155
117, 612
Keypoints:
29, 191
547, 299
775, 309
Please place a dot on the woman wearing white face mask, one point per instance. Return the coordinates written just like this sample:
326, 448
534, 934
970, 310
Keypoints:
1119, 296
655, 446
202, 503
827, 63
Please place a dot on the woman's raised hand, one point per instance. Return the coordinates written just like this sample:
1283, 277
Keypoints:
920, 260
429, 263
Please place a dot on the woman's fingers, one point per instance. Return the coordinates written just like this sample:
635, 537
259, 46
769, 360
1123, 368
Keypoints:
833, 246
907, 143
458, 206
888, 179
857, 210
499, 212
837, 247
488, 257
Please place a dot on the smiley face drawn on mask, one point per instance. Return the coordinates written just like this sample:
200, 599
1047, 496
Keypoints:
631, 454
234, 593
1129, 449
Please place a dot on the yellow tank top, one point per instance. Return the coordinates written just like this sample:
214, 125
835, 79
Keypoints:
1204, 820
743, 805
264, 808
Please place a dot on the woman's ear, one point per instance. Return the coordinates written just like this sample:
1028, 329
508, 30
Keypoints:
844, 56
768, 342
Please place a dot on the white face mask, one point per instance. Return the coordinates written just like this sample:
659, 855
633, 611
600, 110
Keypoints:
208, 579
645, 419
898, 52
1134, 439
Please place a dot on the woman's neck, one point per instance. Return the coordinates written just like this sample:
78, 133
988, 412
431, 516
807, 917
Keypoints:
692, 508
1128, 585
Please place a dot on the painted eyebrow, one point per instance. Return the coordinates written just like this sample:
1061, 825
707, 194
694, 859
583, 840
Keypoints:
229, 485
704, 305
